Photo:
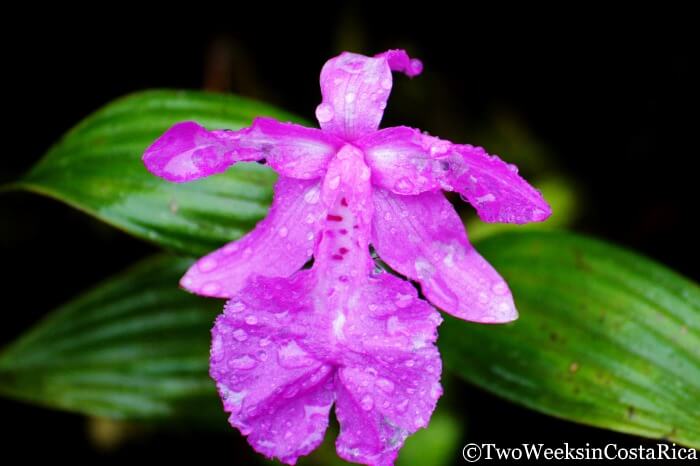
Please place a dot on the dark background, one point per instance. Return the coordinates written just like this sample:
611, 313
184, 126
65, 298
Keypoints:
613, 99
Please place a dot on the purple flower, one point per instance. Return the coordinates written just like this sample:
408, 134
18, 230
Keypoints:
292, 342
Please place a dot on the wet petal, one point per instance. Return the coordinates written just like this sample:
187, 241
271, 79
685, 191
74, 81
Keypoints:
278, 246
423, 238
292, 150
406, 161
355, 90
187, 151
389, 383
275, 388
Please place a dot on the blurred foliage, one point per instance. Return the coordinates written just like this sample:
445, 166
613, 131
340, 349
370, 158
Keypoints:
135, 347
605, 337
97, 168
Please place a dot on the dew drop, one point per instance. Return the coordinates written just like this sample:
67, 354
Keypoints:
393, 325
207, 265
264, 342
240, 334
244, 363
403, 185
211, 288
410, 363
324, 113
283, 232
217, 347
334, 182
251, 320
500, 288
312, 195
230, 248
236, 306
291, 356
367, 403
365, 173
403, 300
385, 385
401, 406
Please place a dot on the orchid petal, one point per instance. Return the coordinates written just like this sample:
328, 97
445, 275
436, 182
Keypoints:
355, 90
277, 247
434, 250
276, 391
406, 161
389, 384
187, 151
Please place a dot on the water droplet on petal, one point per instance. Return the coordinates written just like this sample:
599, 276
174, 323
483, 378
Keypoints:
291, 356
234, 306
264, 342
403, 300
500, 288
283, 232
402, 405
217, 346
365, 173
403, 185
367, 403
207, 264
334, 182
435, 391
410, 363
393, 325
385, 385
324, 113
244, 363
312, 195
240, 334
211, 288
251, 320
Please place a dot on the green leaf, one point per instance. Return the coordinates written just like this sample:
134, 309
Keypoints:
437, 445
97, 168
136, 347
605, 337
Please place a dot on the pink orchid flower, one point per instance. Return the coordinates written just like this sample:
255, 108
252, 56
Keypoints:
291, 341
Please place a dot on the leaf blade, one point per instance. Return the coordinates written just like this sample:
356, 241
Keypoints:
96, 167
135, 347
605, 337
